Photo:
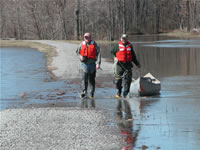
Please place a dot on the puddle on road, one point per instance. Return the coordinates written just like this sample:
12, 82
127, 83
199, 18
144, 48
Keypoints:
24, 80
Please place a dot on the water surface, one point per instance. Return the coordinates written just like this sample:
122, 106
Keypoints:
24, 79
170, 120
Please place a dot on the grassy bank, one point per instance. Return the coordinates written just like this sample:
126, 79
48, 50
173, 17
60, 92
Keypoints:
182, 34
49, 51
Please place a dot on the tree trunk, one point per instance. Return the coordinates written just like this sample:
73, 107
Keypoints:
2, 19
124, 16
188, 15
76, 25
157, 19
17, 2
110, 21
137, 16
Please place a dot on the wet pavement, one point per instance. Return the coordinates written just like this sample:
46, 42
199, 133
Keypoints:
166, 121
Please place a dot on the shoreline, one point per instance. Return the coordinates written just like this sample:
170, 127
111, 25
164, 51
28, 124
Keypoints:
48, 50
57, 127
62, 61
182, 34
174, 33
56, 53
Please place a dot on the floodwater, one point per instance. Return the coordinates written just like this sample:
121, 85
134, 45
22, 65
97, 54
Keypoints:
25, 81
167, 121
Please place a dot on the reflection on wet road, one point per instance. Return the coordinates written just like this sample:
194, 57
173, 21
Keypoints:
88, 103
125, 123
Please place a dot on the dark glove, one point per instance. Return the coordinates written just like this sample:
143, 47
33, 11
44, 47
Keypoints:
139, 66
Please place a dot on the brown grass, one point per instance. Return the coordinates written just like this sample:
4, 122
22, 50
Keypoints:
182, 34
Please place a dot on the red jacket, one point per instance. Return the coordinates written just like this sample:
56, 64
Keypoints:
90, 51
124, 53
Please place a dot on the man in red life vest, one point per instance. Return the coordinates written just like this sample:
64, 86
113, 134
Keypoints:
124, 56
90, 58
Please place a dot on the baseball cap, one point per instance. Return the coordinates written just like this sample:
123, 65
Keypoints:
124, 36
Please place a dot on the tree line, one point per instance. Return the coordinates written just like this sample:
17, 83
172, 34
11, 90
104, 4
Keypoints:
105, 19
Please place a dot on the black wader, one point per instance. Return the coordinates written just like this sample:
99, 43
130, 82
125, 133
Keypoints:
123, 71
88, 72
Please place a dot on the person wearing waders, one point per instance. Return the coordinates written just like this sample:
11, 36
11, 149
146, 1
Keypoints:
90, 58
124, 56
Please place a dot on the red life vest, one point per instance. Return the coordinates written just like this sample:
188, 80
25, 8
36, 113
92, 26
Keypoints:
90, 51
124, 53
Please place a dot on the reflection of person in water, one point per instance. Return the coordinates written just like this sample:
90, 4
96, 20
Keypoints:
125, 123
85, 103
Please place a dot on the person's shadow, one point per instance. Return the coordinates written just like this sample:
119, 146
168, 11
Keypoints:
125, 123
88, 103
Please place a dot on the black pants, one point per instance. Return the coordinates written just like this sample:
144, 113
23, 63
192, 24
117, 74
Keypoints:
88, 77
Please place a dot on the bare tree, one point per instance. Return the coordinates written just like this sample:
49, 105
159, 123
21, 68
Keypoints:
60, 4
110, 18
124, 16
188, 15
105, 19
2, 17
76, 24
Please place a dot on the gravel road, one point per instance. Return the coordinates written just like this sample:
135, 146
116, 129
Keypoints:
57, 129
68, 63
